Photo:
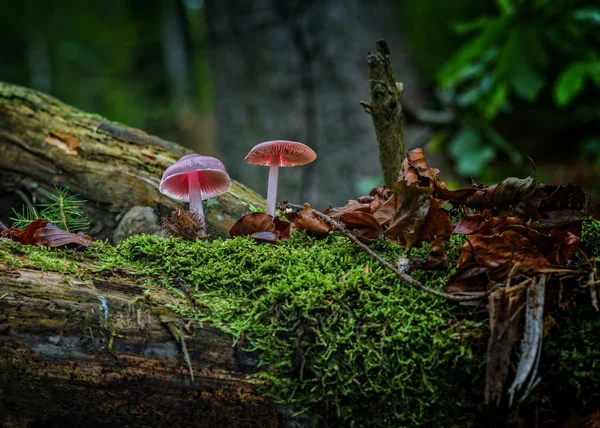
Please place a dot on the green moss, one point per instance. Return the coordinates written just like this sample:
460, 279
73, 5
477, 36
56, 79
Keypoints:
590, 237
336, 333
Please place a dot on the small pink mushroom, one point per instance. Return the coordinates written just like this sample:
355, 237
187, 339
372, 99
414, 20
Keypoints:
193, 178
275, 154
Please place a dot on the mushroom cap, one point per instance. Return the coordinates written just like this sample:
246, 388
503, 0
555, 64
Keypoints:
291, 153
213, 178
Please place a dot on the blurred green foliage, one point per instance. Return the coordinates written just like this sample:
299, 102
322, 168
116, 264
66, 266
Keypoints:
535, 54
109, 56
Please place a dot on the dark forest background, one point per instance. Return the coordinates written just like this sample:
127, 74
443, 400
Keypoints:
487, 83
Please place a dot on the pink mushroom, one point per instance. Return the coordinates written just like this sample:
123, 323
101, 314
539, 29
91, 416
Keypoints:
275, 154
193, 178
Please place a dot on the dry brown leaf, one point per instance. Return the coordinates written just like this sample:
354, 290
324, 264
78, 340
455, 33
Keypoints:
351, 206
362, 224
52, 236
306, 220
252, 223
41, 232
25, 236
416, 171
411, 206
512, 197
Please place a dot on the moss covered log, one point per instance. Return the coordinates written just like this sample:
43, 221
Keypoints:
44, 142
312, 324
79, 348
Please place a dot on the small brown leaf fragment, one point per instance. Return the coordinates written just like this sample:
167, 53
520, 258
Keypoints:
476, 224
52, 236
412, 206
282, 228
384, 213
468, 224
416, 171
27, 235
470, 278
362, 224
350, 206
306, 220
252, 223
437, 223
382, 192
511, 197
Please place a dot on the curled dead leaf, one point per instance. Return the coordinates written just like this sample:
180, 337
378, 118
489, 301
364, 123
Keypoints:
411, 206
416, 171
42, 232
252, 223
306, 220
52, 236
362, 224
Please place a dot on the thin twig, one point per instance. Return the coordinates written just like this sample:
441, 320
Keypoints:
339, 227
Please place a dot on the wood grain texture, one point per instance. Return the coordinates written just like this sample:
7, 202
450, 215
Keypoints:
44, 142
65, 361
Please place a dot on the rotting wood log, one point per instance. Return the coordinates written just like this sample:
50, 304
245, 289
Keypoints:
44, 142
101, 352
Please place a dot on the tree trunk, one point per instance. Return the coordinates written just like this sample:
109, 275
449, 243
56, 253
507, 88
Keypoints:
44, 142
296, 70
99, 353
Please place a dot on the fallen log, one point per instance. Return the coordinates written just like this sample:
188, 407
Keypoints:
44, 142
96, 352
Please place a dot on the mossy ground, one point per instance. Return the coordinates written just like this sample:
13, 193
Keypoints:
338, 334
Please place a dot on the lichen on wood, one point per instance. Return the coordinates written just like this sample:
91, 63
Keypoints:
386, 110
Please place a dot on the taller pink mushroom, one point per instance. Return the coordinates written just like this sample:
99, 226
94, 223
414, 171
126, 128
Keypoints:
193, 178
275, 154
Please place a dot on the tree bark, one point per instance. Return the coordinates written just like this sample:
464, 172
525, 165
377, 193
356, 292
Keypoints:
386, 110
100, 353
44, 142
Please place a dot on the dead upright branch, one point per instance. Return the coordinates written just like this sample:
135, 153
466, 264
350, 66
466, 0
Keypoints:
386, 110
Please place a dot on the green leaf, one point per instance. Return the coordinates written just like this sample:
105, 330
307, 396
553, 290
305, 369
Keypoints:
503, 144
474, 49
506, 6
497, 101
526, 81
590, 15
470, 26
595, 72
475, 92
469, 153
570, 83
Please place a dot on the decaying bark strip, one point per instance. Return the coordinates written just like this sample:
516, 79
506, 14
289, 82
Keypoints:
44, 142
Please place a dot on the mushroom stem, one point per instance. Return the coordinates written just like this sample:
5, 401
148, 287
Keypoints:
196, 198
272, 186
